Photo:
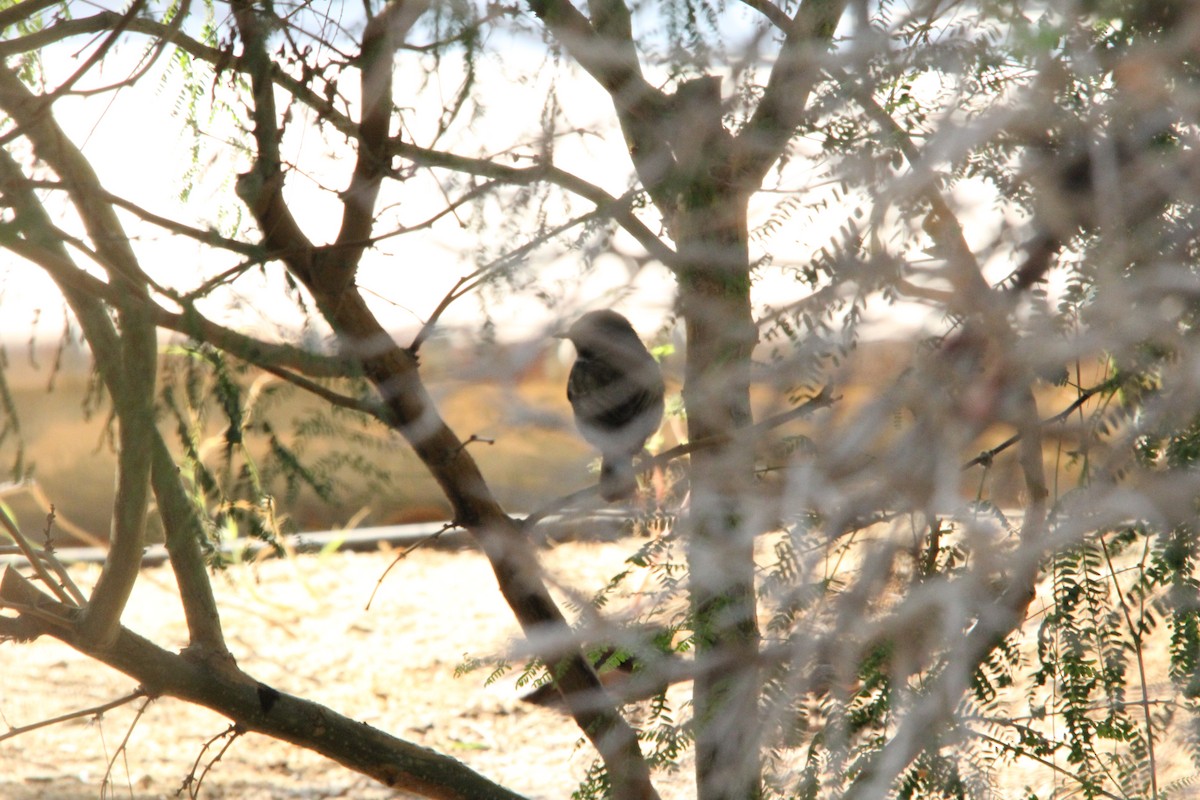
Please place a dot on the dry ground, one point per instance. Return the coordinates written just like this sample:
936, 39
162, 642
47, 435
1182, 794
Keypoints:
300, 625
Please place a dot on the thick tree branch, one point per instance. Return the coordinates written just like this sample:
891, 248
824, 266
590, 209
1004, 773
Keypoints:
774, 14
513, 559
133, 358
24, 11
375, 62
262, 188
646, 124
413, 414
182, 527
254, 706
610, 58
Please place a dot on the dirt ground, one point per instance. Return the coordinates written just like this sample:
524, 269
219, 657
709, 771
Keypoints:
300, 625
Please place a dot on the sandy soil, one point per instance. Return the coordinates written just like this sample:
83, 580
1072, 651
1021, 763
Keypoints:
300, 625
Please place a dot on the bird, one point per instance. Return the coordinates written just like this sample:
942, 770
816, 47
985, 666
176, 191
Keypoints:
616, 392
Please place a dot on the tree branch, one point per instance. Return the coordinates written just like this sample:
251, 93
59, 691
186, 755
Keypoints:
23, 11
619, 208
1000, 613
785, 98
133, 356
179, 517
380, 39
257, 707
774, 14
261, 189
94, 711
943, 225
395, 374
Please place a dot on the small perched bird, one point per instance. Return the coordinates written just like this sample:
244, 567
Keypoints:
616, 390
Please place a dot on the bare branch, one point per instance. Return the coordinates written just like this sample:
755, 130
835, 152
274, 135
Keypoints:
469, 283
774, 14
382, 35
785, 98
35, 558
255, 706
94, 711
85, 294
24, 11
619, 208
100, 52
262, 188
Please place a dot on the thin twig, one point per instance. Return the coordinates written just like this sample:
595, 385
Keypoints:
469, 282
35, 558
987, 456
59, 569
1027, 753
403, 555
25, 609
1141, 662
122, 747
86, 712
373, 409
233, 732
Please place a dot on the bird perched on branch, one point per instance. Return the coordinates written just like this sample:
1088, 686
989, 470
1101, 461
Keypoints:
616, 390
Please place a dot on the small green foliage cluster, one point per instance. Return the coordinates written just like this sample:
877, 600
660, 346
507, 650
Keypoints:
238, 462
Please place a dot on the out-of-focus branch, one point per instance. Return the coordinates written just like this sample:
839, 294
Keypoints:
610, 59
943, 225
998, 614
23, 11
823, 399
642, 121
785, 98
985, 458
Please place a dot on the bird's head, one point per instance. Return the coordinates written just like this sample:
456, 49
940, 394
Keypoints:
600, 330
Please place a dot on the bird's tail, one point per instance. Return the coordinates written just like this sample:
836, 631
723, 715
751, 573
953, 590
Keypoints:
617, 479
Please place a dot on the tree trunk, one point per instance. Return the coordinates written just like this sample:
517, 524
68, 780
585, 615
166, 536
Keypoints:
714, 279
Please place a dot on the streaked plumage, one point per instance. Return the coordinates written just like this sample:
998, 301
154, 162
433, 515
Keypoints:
616, 390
